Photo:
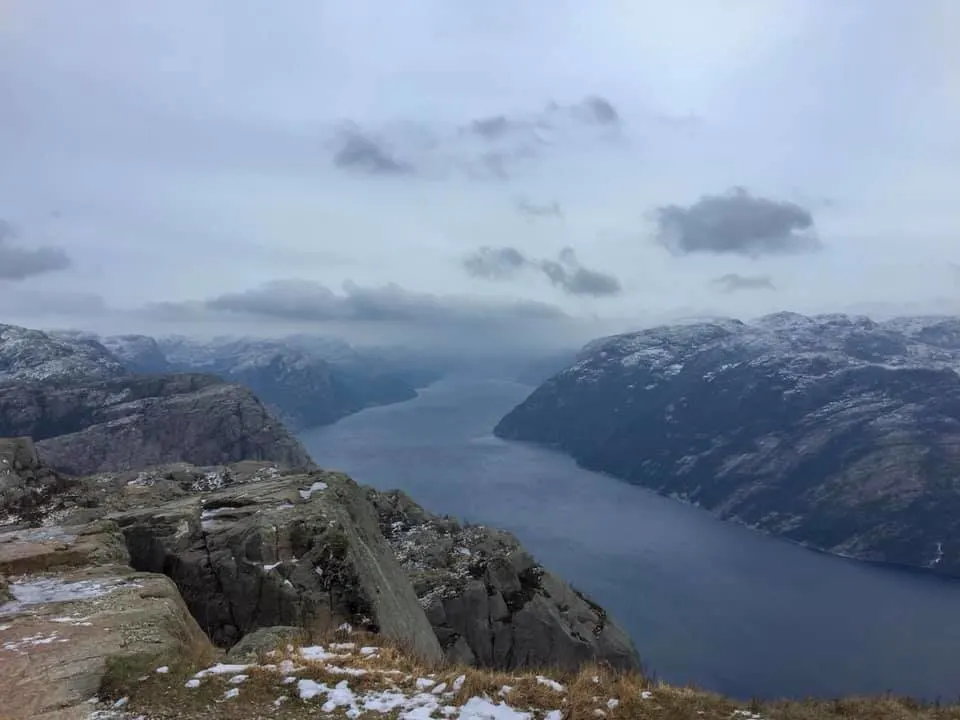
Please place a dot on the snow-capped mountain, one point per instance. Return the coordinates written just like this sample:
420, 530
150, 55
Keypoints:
87, 412
31, 356
835, 431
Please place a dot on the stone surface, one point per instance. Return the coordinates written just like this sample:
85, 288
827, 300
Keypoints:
265, 640
488, 600
28, 488
56, 547
837, 432
63, 633
273, 548
134, 422
252, 545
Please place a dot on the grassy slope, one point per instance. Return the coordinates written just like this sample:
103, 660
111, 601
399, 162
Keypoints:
591, 693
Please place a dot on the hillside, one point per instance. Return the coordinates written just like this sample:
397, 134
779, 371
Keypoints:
837, 432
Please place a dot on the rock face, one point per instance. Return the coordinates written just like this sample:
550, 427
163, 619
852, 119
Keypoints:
28, 488
74, 614
834, 431
252, 546
489, 602
294, 376
33, 356
131, 422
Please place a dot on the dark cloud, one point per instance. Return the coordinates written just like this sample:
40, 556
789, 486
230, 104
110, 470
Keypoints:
601, 110
571, 277
736, 222
566, 272
533, 210
491, 263
732, 282
20, 263
492, 128
358, 151
304, 300
379, 315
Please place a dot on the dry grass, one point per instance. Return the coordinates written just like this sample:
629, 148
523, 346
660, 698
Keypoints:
593, 692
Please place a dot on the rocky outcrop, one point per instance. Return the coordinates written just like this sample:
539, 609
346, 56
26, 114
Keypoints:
75, 617
834, 431
253, 546
488, 600
28, 488
34, 356
132, 422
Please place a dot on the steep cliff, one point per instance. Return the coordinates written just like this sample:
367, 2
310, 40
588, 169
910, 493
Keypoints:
131, 422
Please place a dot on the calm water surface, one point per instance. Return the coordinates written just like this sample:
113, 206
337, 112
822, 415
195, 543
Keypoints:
706, 602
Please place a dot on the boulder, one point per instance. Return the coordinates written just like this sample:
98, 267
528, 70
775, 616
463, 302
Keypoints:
488, 600
265, 640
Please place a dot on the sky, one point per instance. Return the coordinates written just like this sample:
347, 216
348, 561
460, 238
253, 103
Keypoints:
475, 174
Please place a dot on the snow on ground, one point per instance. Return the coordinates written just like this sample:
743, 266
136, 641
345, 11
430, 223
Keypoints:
424, 698
316, 487
23, 645
43, 590
376, 687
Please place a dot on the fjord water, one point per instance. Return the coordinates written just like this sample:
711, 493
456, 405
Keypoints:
706, 602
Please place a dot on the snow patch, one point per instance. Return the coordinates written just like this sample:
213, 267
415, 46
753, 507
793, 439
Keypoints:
316, 487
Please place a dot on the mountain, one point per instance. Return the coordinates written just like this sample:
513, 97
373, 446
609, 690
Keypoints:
34, 356
306, 381
837, 432
89, 414
128, 422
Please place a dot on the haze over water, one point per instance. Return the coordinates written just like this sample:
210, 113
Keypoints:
706, 602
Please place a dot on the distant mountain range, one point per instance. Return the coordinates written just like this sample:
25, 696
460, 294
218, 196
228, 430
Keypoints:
837, 432
305, 380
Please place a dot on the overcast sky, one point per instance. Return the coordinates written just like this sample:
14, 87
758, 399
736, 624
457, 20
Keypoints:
482, 171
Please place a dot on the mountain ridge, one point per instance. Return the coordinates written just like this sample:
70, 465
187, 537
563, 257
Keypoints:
836, 432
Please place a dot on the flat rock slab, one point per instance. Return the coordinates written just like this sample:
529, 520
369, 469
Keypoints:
56, 548
63, 633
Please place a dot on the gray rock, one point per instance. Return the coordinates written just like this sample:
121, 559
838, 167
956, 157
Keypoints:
299, 549
488, 600
264, 640
75, 621
134, 422
29, 490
